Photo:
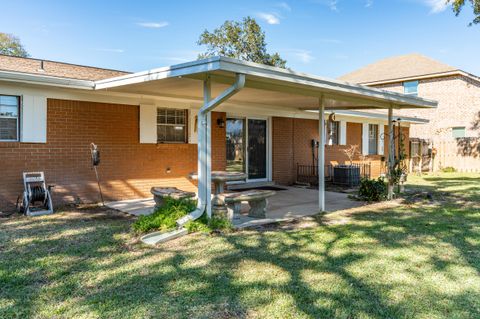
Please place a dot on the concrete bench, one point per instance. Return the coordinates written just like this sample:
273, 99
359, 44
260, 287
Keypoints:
160, 193
257, 200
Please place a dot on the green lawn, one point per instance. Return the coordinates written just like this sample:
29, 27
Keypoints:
420, 260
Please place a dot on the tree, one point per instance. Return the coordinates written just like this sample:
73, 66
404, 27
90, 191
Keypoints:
457, 6
243, 40
11, 45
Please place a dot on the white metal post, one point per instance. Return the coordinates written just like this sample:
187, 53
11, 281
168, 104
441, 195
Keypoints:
207, 95
321, 155
391, 151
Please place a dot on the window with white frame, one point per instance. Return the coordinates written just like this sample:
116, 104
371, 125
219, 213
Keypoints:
458, 131
332, 132
9, 117
372, 139
171, 125
410, 87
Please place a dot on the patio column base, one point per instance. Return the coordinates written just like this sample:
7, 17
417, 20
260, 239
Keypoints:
258, 208
219, 209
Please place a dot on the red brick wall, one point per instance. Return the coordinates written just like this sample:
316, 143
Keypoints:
292, 145
282, 150
128, 169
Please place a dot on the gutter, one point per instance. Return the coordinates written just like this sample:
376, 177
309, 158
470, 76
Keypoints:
204, 166
46, 80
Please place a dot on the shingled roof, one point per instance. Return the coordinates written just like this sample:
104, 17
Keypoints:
398, 67
58, 69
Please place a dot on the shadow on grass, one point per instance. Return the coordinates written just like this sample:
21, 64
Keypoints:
407, 262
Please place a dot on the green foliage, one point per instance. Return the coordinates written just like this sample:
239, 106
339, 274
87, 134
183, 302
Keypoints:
449, 169
243, 40
399, 164
372, 190
11, 45
165, 218
457, 6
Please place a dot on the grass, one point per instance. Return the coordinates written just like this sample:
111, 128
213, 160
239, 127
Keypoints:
420, 260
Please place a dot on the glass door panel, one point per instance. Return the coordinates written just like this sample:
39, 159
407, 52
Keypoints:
235, 145
257, 149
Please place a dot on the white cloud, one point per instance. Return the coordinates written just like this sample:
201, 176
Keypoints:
284, 6
368, 3
270, 18
153, 25
303, 56
333, 5
436, 6
110, 50
332, 41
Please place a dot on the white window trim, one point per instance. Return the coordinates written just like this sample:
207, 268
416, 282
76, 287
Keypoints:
18, 117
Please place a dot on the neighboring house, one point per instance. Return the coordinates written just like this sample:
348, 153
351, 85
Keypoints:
145, 125
454, 127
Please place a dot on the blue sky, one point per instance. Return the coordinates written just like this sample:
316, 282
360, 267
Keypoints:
323, 37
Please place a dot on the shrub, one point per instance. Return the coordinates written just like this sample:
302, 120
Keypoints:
372, 190
165, 218
449, 169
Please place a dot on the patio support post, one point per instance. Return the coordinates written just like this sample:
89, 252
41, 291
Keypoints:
391, 151
207, 95
321, 155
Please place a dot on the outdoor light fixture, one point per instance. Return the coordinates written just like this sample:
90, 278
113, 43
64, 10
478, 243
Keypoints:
221, 122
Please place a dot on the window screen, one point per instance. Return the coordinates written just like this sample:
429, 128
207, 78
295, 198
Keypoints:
458, 132
9, 109
410, 87
333, 131
171, 125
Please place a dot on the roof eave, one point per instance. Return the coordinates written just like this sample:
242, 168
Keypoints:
422, 77
265, 72
38, 79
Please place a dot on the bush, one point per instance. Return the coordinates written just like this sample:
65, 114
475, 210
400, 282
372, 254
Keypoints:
165, 218
449, 169
372, 190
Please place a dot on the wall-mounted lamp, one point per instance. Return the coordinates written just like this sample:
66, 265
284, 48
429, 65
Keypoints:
221, 122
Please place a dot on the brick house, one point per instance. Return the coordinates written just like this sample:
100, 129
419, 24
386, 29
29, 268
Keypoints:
454, 127
146, 125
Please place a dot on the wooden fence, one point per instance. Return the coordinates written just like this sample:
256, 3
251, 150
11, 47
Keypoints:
463, 154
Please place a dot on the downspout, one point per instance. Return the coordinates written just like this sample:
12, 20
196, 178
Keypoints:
203, 143
204, 163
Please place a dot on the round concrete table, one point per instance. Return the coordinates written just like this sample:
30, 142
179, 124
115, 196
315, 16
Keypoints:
220, 178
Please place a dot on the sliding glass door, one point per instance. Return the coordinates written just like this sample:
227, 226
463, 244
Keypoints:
236, 145
247, 148
257, 149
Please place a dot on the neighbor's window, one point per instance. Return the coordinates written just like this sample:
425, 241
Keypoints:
372, 139
171, 125
410, 87
9, 109
458, 132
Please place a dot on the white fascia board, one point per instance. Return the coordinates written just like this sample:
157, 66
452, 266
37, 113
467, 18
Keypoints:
46, 80
377, 116
178, 70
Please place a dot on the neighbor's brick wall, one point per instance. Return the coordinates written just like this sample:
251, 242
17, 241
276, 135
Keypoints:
128, 169
458, 105
291, 140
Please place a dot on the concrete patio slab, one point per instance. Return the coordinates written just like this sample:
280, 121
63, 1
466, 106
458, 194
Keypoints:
291, 203
295, 202
137, 207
